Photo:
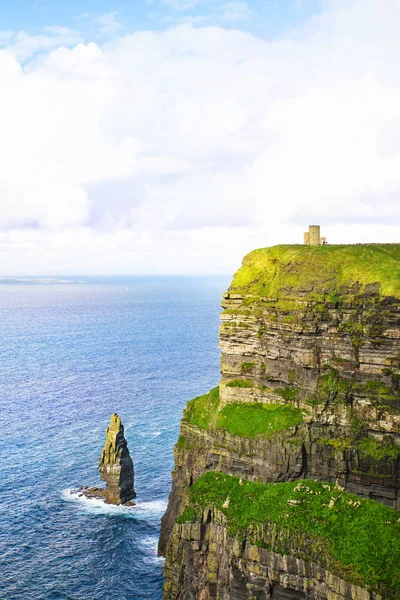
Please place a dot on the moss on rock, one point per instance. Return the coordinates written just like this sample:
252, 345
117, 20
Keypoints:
355, 538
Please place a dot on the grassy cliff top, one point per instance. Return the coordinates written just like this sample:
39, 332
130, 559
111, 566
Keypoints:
247, 420
357, 539
281, 271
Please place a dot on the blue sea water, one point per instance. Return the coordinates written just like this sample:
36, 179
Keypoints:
72, 354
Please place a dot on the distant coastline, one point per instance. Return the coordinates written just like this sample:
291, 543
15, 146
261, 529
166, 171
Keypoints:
41, 280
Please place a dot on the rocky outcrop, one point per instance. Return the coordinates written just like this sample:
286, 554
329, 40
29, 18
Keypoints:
313, 330
204, 562
116, 465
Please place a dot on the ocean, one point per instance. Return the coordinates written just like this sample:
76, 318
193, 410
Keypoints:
72, 353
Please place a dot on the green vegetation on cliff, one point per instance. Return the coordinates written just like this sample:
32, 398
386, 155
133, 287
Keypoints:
244, 419
284, 271
201, 411
333, 388
377, 450
354, 538
240, 383
250, 420
367, 447
322, 324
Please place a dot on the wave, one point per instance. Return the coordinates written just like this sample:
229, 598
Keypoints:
153, 508
147, 433
149, 544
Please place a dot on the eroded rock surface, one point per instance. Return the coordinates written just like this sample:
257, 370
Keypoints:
317, 330
116, 465
204, 562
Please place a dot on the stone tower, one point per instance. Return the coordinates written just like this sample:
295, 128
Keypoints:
312, 237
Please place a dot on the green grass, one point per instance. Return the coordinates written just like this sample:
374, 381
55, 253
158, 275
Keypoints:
288, 271
201, 411
245, 419
354, 538
251, 420
240, 383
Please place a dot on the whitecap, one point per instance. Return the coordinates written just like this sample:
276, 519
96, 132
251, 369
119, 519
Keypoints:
154, 506
140, 510
96, 505
147, 433
149, 545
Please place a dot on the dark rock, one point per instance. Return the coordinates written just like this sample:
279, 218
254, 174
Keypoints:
116, 465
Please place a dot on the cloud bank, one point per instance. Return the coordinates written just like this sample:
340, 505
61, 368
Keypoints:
178, 151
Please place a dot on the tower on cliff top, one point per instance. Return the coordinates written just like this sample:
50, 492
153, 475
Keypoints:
312, 237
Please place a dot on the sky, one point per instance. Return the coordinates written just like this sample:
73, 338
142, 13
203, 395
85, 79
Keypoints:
175, 136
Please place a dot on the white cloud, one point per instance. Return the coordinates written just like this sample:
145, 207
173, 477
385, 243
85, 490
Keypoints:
57, 30
109, 23
44, 206
235, 12
181, 150
24, 45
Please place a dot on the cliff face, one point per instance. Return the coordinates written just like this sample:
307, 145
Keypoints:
204, 562
310, 389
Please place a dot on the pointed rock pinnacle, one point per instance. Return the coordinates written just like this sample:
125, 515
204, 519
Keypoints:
116, 466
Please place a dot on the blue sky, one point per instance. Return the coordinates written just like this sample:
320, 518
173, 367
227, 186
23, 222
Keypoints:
263, 17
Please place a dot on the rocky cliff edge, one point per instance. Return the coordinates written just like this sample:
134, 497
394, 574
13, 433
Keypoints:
309, 396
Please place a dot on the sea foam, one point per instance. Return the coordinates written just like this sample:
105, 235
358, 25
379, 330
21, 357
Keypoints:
149, 544
141, 510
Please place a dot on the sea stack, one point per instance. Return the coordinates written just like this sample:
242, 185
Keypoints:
116, 465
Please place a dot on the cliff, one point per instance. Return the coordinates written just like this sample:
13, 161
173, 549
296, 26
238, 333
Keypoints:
309, 393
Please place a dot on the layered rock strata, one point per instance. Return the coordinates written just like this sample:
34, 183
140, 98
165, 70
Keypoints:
313, 330
217, 565
116, 465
